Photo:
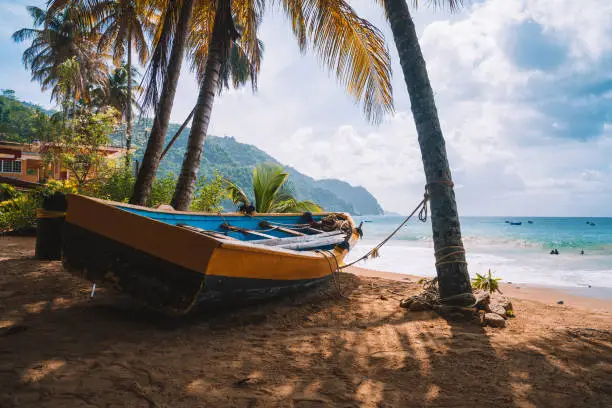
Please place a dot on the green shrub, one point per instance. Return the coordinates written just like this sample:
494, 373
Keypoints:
19, 214
162, 190
117, 187
209, 194
8, 192
53, 186
488, 282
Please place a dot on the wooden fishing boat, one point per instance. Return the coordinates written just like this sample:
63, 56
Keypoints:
173, 261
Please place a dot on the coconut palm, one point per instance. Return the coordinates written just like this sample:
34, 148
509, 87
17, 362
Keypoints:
120, 91
271, 192
165, 67
122, 25
453, 277
347, 44
56, 38
241, 67
115, 91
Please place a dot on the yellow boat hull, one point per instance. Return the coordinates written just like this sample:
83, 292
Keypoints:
173, 269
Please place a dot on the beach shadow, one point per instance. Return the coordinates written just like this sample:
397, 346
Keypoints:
313, 350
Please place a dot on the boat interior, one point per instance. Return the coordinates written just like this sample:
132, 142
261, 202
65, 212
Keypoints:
299, 232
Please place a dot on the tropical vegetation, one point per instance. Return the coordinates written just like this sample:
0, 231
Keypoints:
58, 37
349, 45
486, 282
22, 122
270, 193
70, 41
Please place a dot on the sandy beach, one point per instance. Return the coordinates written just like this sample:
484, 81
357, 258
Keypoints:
60, 349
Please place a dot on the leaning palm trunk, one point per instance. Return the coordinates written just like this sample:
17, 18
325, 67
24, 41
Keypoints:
453, 277
155, 145
128, 108
177, 134
223, 33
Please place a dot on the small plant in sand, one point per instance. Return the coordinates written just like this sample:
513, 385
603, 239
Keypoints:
486, 282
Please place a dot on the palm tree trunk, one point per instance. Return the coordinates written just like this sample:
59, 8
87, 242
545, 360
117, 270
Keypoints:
223, 30
155, 145
128, 108
177, 134
453, 277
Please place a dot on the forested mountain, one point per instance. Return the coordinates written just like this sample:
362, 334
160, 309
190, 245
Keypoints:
23, 122
236, 161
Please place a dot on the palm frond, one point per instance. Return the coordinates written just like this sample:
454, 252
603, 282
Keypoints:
24, 34
351, 47
38, 15
268, 179
294, 9
162, 41
235, 193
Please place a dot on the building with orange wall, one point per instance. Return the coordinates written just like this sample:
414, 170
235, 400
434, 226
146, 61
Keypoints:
26, 162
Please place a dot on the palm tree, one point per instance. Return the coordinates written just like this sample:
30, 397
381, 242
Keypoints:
120, 93
165, 66
451, 267
349, 45
122, 25
241, 67
56, 38
116, 92
271, 191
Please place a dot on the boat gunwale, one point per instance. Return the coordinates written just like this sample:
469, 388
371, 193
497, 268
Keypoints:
223, 243
231, 214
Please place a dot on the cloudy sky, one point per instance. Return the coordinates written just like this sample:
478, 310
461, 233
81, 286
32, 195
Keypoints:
523, 87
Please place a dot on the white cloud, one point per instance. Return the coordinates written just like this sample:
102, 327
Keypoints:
526, 114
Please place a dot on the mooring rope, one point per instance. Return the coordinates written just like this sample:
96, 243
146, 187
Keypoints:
374, 251
335, 271
422, 209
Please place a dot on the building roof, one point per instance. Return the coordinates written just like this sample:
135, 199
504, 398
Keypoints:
7, 146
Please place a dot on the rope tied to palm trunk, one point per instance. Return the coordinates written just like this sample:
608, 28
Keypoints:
422, 216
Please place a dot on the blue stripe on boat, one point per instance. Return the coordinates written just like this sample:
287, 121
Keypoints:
212, 222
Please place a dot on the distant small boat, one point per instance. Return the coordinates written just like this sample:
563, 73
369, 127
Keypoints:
507, 222
367, 220
516, 223
592, 224
530, 222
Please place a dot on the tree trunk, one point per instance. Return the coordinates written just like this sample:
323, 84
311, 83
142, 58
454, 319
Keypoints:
155, 145
177, 134
453, 277
128, 110
223, 31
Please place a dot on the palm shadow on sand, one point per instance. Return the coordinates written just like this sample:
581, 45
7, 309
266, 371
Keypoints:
312, 350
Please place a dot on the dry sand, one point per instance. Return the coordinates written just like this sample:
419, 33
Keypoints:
314, 350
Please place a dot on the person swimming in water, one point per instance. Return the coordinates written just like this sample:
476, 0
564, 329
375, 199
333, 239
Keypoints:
554, 252
582, 252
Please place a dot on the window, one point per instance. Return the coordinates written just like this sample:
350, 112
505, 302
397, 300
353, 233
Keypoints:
10, 166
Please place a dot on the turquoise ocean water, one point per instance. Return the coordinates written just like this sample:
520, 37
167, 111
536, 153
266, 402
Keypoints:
517, 253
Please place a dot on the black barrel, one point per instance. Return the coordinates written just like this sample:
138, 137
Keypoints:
50, 226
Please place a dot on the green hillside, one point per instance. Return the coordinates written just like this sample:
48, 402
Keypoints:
236, 161
24, 122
